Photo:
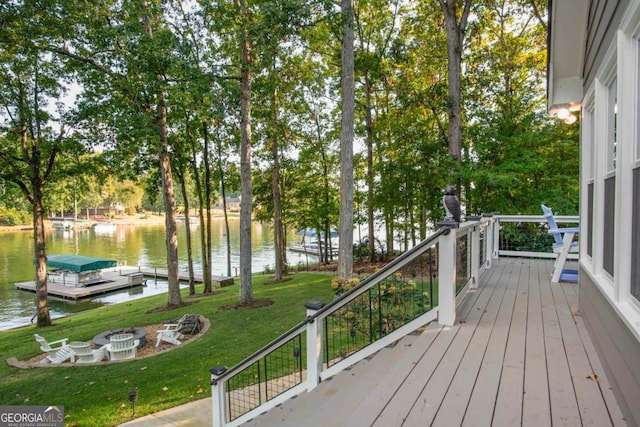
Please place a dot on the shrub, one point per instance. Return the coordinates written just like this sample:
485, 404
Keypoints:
12, 216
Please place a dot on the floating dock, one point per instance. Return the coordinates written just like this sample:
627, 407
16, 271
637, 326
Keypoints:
114, 280
218, 281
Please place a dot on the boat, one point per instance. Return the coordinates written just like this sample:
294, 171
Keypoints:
61, 223
74, 277
104, 227
77, 270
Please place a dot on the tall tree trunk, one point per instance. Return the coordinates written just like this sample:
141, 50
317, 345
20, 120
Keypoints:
325, 188
32, 155
206, 244
370, 175
277, 205
187, 226
206, 276
345, 249
455, 37
168, 196
223, 190
389, 227
44, 318
246, 288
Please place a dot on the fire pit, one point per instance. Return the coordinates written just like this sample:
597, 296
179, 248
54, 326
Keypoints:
138, 334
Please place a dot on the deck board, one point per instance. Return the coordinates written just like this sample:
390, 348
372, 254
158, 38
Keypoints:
518, 354
447, 394
480, 408
508, 405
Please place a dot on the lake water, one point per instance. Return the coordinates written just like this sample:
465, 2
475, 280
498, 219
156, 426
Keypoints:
128, 245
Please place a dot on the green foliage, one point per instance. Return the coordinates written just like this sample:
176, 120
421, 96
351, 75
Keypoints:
402, 106
386, 307
525, 237
13, 216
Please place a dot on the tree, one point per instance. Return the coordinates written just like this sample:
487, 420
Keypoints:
34, 137
455, 21
246, 77
122, 66
345, 249
514, 144
376, 24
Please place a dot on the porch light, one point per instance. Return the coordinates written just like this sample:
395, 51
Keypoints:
566, 112
563, 113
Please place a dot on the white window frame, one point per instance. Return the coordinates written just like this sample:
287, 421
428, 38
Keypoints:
603, 85
588, 160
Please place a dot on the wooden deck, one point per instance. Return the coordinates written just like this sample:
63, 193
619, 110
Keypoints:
518, 354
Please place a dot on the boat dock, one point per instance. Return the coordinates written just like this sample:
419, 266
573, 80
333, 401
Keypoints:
218, 281
114, 280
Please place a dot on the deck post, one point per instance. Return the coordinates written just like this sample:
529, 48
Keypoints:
218, 407
488, 244
495, 243
447, 246
314, 345
475, 256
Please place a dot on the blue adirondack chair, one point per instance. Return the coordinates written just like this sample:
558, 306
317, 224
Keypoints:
563, 245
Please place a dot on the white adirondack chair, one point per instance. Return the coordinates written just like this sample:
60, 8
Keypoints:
61, 355
121, 347
50, 347
563, 245
171, 333
86, 354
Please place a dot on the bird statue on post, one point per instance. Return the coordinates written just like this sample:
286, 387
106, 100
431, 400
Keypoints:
451, 204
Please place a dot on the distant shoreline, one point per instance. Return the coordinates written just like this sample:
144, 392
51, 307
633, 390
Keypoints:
138, 219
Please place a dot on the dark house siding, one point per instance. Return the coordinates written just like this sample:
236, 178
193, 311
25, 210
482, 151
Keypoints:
616, 345
604, 17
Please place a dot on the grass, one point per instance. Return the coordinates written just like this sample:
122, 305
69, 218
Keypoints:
98, 395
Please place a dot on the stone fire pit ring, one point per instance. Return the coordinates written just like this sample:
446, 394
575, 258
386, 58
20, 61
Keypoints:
138, 334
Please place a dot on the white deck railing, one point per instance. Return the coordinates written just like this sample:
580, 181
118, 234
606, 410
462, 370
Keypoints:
422, 285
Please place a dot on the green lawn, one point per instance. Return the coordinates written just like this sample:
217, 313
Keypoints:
98, 395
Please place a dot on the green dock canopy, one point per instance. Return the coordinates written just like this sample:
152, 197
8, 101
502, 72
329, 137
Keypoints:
79, 263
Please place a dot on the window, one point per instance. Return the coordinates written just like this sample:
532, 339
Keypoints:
590, 168
608, 226
612, 126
